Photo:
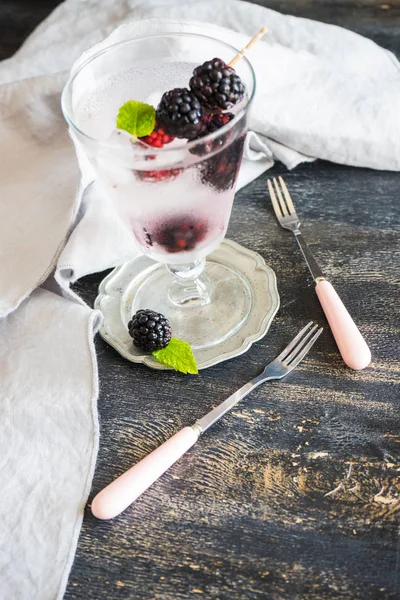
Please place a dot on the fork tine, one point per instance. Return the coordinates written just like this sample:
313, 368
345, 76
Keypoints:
294, 341
287, 196
305, 350
280, 197
274, 200
300, 345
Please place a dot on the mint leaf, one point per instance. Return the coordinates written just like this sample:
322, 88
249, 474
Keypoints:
137, 118
178, 355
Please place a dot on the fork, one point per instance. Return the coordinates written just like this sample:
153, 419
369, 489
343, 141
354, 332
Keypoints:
119, 494
349, 340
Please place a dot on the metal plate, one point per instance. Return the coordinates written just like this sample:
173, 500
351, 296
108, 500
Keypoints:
115, 305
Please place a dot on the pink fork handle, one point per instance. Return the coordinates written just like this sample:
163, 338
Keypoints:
351, 343
117, 496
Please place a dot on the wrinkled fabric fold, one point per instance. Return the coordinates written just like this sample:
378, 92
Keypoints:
323, 92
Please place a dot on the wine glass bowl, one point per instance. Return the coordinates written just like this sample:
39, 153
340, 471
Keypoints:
176, 200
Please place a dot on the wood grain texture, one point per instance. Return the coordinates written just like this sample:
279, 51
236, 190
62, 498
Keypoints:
18, 18
376, 19
296, 493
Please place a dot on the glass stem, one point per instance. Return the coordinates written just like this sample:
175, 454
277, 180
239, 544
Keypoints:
190, 285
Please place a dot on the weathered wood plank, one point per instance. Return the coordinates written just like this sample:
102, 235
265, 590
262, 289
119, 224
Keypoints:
377, 19
17, 21
246, 513
295, 494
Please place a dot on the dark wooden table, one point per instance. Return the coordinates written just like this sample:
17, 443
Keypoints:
296, 494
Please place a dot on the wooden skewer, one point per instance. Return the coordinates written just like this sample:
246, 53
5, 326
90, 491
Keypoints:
253, 40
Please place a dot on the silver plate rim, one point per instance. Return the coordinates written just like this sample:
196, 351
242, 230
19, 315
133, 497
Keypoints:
215, 357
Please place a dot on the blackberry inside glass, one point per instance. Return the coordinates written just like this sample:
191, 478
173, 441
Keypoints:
175, 202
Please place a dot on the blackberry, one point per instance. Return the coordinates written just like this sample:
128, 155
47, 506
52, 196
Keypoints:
216, 85
158, 175
180, 114
220, 170
217, 121
180, 234
150, 330
213, 123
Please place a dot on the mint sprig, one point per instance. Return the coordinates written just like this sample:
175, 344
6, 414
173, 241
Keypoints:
178, 355
137, 118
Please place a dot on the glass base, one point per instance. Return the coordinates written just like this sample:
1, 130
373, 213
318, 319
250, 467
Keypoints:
202, 324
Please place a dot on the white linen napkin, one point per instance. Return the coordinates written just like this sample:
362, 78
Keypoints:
323, 92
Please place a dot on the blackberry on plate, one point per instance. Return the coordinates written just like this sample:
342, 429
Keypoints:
150, 330
216, 85
179, 113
